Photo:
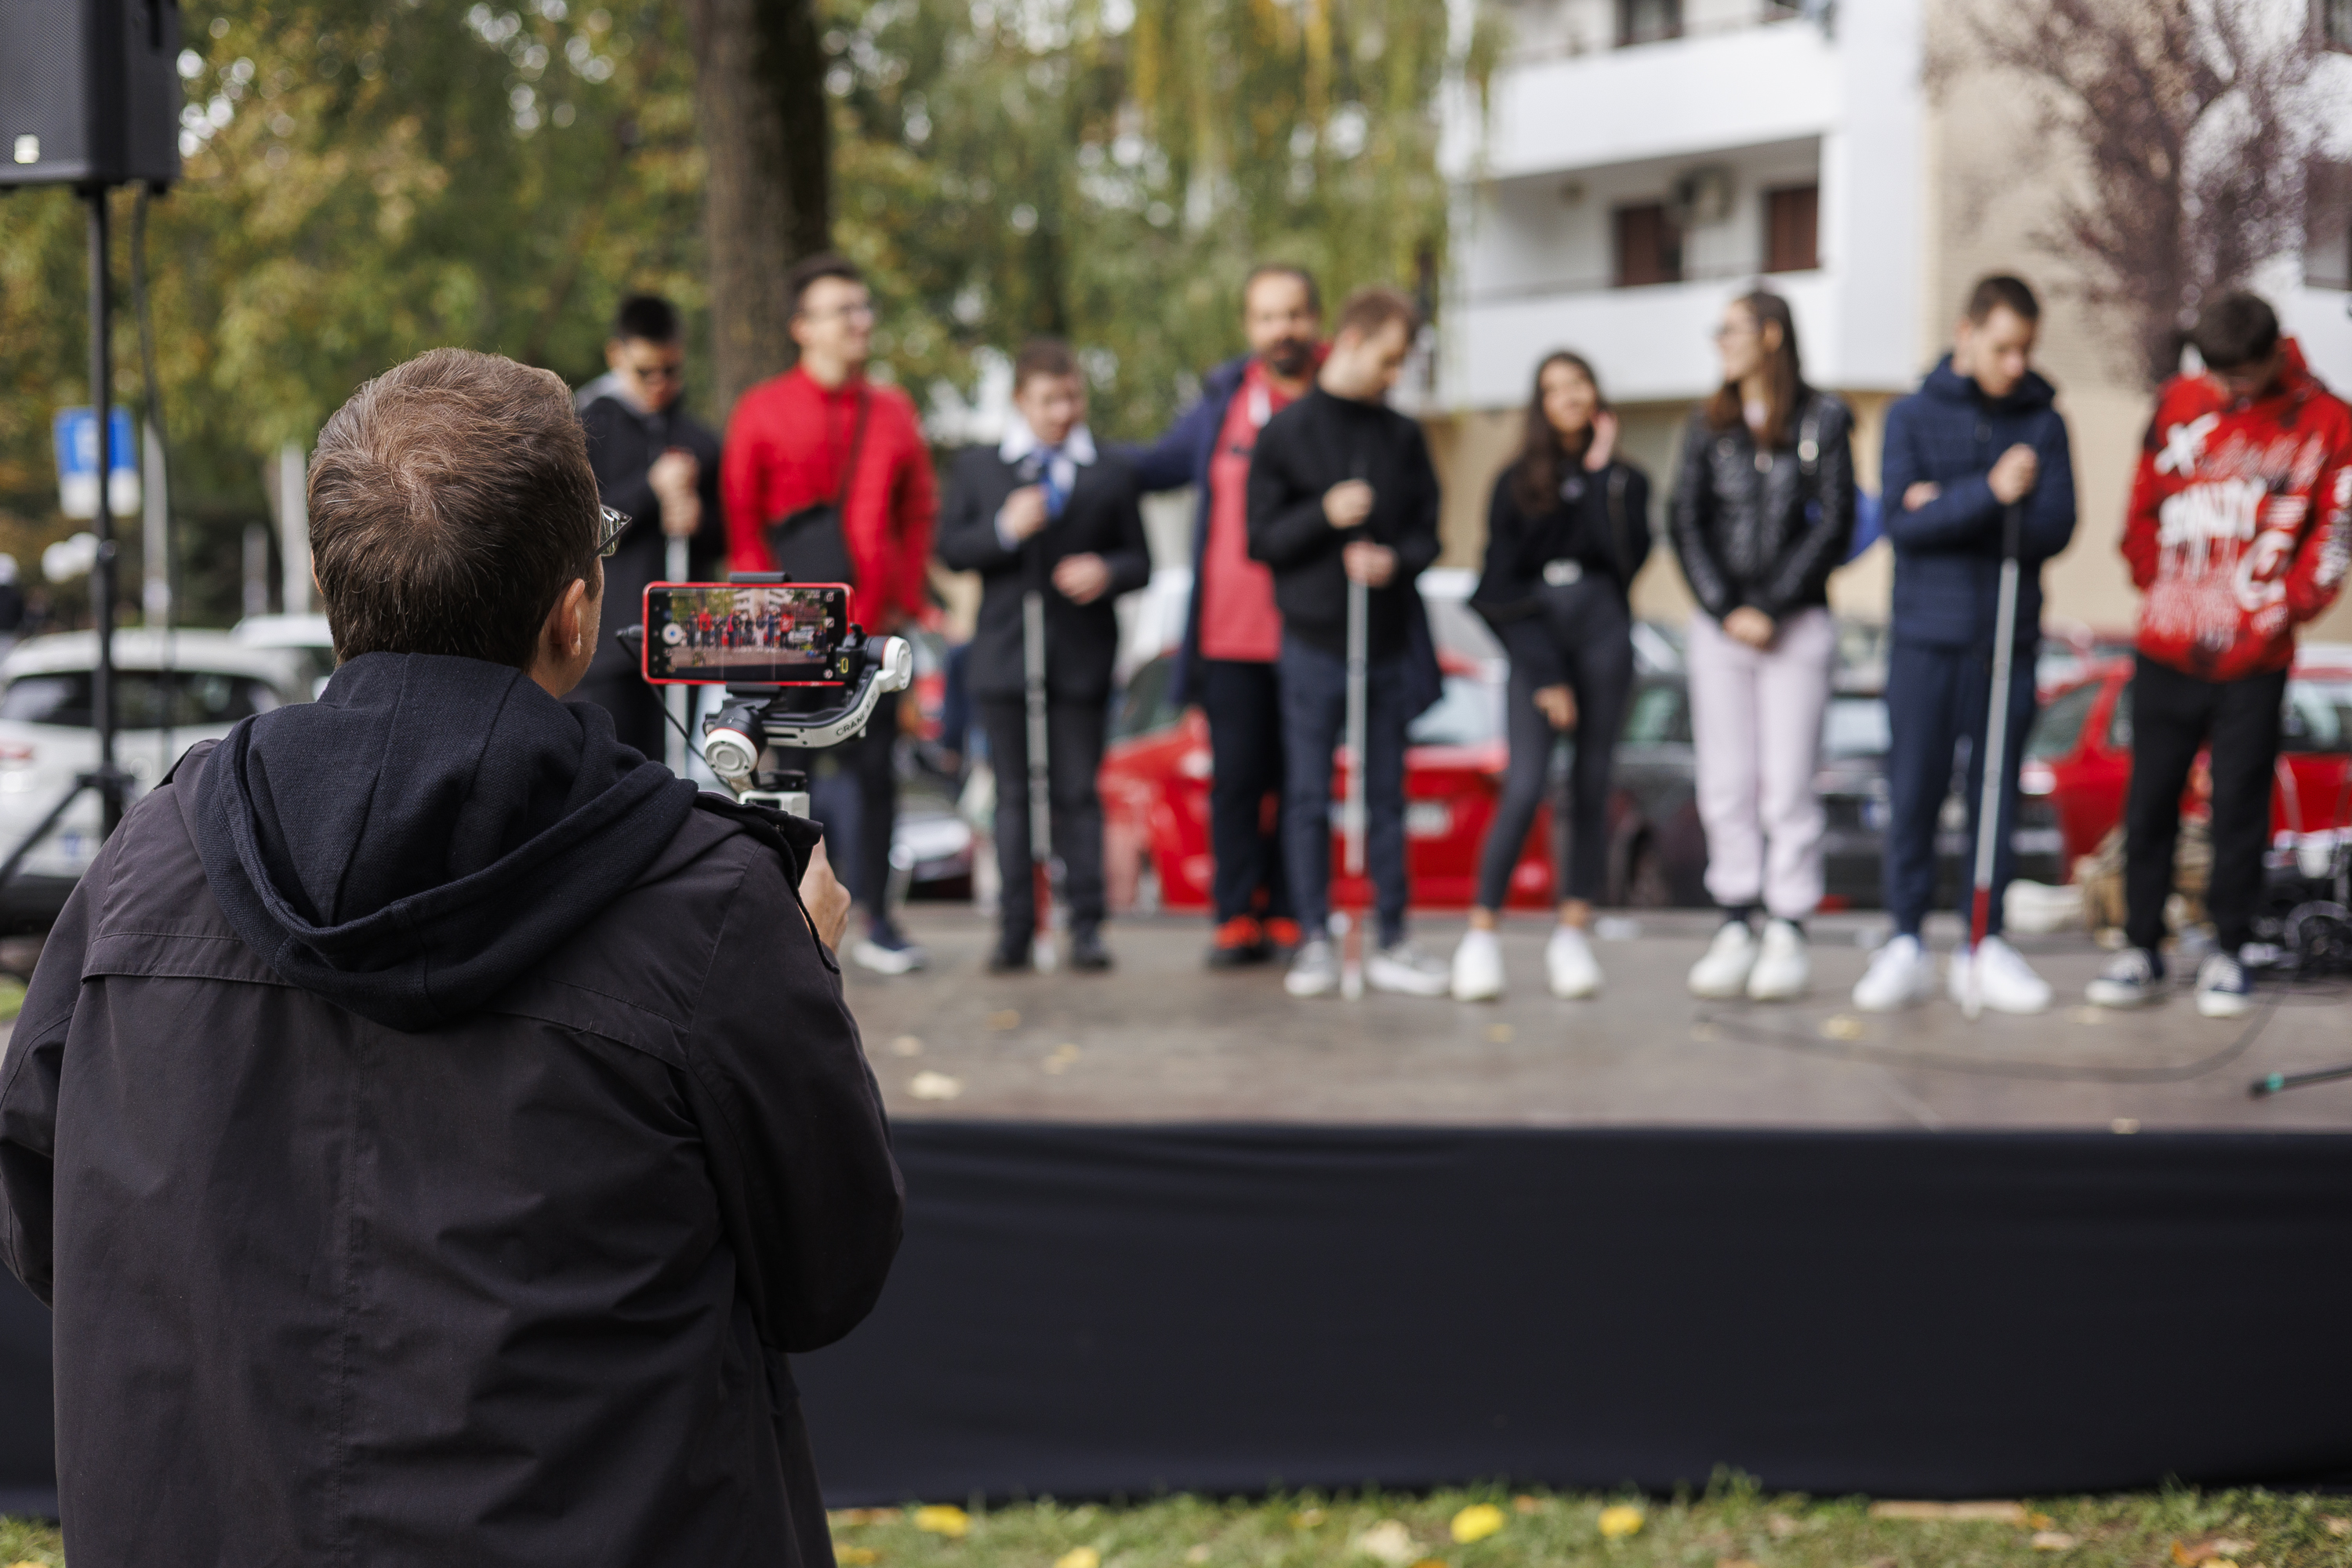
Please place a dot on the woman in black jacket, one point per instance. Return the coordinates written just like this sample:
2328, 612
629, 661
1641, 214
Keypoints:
1763, 512
1568, 528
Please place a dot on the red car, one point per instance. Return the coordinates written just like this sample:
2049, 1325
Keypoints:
1155, 794
2079, 755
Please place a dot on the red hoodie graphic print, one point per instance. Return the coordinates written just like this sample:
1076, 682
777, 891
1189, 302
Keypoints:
2241, 522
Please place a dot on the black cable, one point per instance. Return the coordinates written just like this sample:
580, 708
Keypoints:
1740, 1024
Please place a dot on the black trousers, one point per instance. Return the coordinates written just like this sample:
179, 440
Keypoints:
1934, 701
1589, 624
2173, 717
1243, 702
635, 707
859, 819
1073, 749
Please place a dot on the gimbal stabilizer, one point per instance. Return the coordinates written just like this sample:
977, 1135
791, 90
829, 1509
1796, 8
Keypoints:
744, 735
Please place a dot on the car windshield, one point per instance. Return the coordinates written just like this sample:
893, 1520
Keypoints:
2059, 725
2318, 716
197, 697
1856, 727
1659, 715
1148, 703
1468, 712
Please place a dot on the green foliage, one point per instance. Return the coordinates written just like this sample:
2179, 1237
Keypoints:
366, 181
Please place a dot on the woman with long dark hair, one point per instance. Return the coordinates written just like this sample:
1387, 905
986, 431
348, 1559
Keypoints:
1568, 528
1762, 514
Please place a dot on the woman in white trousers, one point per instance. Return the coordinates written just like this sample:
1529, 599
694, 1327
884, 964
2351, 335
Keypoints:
1762, 514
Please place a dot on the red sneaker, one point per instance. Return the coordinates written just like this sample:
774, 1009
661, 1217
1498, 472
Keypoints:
1283, 935
1240, 942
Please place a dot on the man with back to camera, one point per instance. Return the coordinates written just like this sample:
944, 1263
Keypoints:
832, 469
430, 1121
1044, 508
2240, 528
1233, 632
1341, 491
660, 465
1979, 436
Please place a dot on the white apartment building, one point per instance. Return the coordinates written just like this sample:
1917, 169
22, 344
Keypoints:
1637, 163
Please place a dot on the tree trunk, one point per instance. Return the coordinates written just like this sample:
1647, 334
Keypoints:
760, 104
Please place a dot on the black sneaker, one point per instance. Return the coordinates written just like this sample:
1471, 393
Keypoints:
887, 950
1087, 951
1007, 958
2133, 978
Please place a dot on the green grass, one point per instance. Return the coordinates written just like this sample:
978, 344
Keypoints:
1733, 1525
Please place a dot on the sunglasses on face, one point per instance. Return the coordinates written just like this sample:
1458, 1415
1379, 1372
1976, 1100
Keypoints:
611, 525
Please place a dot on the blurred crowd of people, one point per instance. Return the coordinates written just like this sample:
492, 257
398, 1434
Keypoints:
1307, 483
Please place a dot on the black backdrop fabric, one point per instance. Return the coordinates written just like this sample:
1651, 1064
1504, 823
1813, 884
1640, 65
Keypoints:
1108, 1311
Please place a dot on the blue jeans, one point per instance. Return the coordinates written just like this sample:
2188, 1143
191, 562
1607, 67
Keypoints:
1313, 720
1934, 701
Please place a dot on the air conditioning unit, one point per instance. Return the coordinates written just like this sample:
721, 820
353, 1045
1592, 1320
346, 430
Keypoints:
1702, 196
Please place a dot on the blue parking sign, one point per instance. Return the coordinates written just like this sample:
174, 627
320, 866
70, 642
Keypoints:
75, 432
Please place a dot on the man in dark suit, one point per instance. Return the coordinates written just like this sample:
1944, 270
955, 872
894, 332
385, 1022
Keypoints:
658, 464
1045, 509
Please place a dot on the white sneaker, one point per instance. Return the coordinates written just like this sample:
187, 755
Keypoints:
1784, 966
1569, 965
1405, 968
1721, 971
1479, 967
1900, 975
2005, 981
1314, 970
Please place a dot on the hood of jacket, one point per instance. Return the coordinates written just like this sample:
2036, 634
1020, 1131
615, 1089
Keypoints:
1948, 385
426, 833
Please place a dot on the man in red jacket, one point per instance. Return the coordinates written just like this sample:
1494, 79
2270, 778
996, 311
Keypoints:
832, 469
2241, 523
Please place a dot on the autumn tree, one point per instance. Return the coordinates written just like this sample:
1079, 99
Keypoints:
2179, 131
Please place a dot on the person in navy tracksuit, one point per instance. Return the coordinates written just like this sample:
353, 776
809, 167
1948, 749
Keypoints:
1233, 633
1979, 436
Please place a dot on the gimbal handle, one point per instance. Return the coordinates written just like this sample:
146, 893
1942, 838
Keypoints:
737, 737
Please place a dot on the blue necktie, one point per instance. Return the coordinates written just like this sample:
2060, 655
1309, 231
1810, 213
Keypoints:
1055, 496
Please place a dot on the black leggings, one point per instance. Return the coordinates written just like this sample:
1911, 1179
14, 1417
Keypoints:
1588, 624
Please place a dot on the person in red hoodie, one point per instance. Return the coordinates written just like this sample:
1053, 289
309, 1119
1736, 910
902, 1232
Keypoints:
825, 476
2239, 527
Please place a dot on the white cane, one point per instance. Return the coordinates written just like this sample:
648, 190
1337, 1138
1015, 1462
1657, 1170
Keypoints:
677, 697
1350, 932
1041, 793
1996, 749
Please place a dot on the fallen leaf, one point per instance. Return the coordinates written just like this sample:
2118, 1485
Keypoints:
2213, 1548
1088, 1557
1476, 1522
1841, 1026
1307, 1519
1064, 1055
1197, 1553
864, 1515
1430, 1563
2125, 1125
2335, 1525
1619, 1520
1781, 1525
1008, 1018
935, 1085
2054, 1541
906, 1045
1955, 1512
1734, 1562
1390, 1542
943, 1519
1524, 1504
2039, 1520
1882, 1562
1500, 1034
856, 1556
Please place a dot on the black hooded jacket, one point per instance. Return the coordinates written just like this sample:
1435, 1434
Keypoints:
431, 1123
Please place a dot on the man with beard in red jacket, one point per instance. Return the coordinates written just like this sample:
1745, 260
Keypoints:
830, 469
2241, 523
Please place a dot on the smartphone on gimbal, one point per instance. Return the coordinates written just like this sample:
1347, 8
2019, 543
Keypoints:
740, 633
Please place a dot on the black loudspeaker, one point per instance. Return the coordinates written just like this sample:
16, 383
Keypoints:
89, 92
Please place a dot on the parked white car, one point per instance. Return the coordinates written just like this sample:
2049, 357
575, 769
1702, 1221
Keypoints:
170, 690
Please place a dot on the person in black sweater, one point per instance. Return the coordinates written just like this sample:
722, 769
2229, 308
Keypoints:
660, 465
1340, 489
1569, 527
1047, 508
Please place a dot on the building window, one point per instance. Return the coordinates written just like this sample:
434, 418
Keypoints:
1793, 220
1648, 21
2333, 21
2327, 224
1649, 245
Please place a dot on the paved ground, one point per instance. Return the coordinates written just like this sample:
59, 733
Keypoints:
1162, 1039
